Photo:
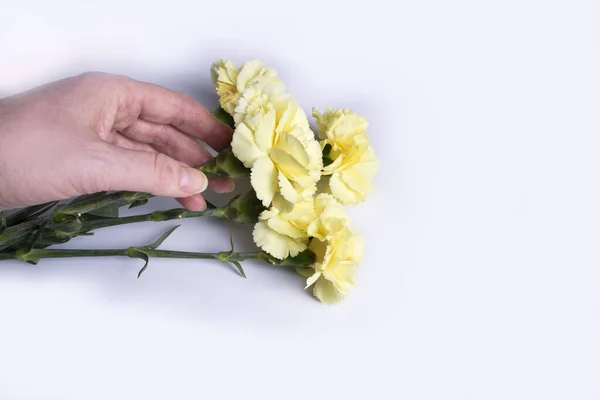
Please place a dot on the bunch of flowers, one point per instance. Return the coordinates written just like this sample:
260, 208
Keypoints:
301, 183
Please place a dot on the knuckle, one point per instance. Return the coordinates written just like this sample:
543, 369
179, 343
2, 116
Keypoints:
184, 109
163, 137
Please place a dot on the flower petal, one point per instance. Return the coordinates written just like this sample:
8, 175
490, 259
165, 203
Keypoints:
283, 227
282, 204
312, 279
265, 131
326, 292
264, 180
288, 164
244, 147
342, 191
287, 190
294, 147
279, 246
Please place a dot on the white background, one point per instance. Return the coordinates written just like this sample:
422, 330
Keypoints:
482, 271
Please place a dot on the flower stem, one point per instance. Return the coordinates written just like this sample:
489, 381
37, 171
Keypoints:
156, 216
38, 254
34, 255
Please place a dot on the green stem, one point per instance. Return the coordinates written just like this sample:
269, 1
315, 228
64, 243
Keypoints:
156, 216
38, 254
88, 203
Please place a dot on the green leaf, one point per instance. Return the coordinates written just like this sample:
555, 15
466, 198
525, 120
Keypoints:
231, 244
142, 256
243, 208
38, 235
162, 238
84, 199
138, 203
225, 164
28, 213
108, 211
239, 268
224, 117
304, 259
2, 222
69, 226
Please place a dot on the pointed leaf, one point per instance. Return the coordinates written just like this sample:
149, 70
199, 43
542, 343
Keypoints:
142, 256
28, 213
70, 226
108, 211
38, 235
231, 243
2, 222
239, 268
209, 204
162, 238
224, 117
138, 203
84, 199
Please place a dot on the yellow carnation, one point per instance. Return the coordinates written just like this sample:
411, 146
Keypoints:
284, 234
353, 163
281, 151
259, 96
338, 252
231, 81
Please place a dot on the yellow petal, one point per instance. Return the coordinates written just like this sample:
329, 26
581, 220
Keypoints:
288, 165
342, 191
224, 71
354, 181
279, 246
270, 213
312, 279
368, 164
319, 248
326, 292
294, 147
265, 131
282, 204
283, 227
244, 147
264, 180
355, 246
287, 190
258, 98
293, 116
252, 70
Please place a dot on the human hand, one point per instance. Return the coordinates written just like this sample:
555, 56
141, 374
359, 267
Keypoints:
98, 132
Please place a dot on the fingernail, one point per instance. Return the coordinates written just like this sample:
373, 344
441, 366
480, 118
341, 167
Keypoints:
192, 181
232, 187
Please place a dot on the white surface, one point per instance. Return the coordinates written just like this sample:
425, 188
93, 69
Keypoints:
481, 278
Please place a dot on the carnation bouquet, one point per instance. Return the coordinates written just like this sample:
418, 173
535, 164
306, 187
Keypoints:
300, 182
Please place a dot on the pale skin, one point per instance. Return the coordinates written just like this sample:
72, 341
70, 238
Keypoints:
99, 132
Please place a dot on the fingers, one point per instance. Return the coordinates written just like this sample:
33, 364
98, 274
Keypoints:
168, 140
217, 184
126, 143
153, 173
193, 203
164, 106
221, 184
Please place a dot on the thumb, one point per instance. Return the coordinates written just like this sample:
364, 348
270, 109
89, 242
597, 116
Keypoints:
153, 173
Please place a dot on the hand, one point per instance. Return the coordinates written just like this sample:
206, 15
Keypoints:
97, 132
